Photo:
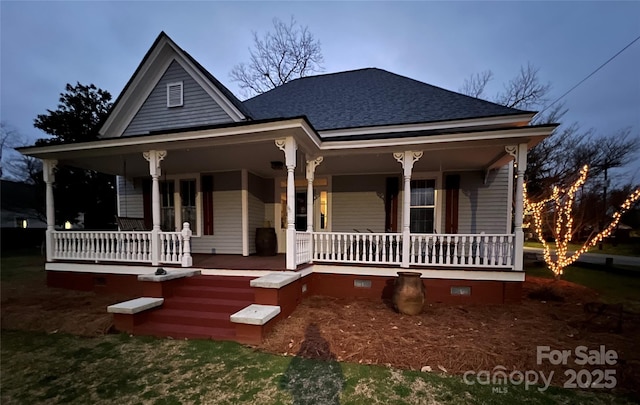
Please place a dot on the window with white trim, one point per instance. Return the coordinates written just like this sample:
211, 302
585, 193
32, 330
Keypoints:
175, 96
423, 206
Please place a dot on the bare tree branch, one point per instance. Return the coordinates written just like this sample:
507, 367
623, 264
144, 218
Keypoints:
287, 53
524, 91
475, 84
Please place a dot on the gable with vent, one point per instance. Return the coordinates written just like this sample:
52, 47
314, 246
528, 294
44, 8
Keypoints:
177, 101
170, 91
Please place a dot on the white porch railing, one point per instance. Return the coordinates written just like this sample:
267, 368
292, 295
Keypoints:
462, 250
378, 248
134, 246
443, 250
172, 247
304, 252
123, 246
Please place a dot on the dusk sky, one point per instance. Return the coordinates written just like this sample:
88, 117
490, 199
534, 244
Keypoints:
45, 45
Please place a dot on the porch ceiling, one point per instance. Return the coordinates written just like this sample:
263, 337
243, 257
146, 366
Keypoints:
257, 157
252, 147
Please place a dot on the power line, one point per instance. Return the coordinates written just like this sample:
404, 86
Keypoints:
590, 74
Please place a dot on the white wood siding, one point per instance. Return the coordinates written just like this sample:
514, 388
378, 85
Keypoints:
130, 203
227, 225
256, 220
483, 207
355, 203
198, 107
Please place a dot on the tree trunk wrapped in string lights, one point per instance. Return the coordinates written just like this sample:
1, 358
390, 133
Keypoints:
560, 204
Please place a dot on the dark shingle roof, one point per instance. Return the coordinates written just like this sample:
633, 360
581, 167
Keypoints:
368, 97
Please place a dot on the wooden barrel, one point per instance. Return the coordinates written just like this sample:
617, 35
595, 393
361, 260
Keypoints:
266, 242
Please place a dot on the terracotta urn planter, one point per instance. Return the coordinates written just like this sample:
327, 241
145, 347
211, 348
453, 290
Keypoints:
408, 294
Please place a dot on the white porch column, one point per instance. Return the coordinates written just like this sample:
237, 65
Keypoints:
48, 172
244, 174
288, 146
311, 169
407, 159
154, 157
521, 161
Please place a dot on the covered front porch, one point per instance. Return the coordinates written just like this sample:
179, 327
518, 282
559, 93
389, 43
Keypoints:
303, 158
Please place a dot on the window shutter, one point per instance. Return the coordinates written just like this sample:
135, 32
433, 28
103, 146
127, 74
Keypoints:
452, 189
174, 94
207, 204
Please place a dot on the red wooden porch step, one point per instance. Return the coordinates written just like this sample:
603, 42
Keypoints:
199, 309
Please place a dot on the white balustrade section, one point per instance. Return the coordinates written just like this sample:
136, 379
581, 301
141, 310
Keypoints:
344, 247
123, 246
442, 250
171, 247
129, 246
462, 250
304, 253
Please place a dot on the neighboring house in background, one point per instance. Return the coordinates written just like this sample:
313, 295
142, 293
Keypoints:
361, 173
18, 203
21, 222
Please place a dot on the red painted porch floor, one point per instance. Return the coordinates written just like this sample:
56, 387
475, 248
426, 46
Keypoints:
237, 262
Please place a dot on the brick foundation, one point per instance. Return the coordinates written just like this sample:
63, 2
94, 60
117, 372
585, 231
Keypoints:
100, 283
437, 290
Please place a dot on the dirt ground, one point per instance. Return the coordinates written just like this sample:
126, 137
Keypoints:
447, 339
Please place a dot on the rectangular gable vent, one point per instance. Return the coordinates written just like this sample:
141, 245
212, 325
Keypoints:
174, 94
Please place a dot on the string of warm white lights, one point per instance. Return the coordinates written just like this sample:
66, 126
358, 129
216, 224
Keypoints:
563, 201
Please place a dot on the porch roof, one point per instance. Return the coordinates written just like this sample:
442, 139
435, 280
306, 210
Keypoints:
249, 145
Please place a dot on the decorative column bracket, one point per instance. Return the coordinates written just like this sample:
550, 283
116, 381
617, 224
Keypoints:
512, 150
407, 159
154, 157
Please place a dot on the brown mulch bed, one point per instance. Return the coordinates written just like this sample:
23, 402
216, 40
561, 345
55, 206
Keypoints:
456, 338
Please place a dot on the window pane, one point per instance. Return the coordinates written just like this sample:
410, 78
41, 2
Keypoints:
188, 193
301, 211
188, 202
189, 215
167, 211
323, 210
422, 192
421, 220
167, 188
167, 219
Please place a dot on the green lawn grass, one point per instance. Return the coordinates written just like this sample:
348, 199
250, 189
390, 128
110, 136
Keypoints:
41, 368
22, 265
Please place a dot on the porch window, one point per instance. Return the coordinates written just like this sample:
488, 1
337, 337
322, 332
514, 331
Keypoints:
422, 206
188, 201
301, 211
323, 210
167, 206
